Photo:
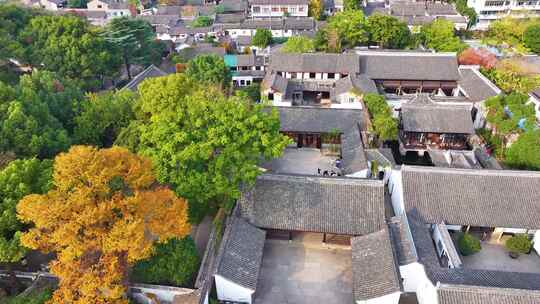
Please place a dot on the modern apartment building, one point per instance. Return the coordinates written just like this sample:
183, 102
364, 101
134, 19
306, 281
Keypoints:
489, 10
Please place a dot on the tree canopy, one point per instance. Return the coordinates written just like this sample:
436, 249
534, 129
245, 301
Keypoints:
202, 21
531, 38
384, 125
135, 41
388, 31
298, 44
103, 214
525, 152
262, 38
103, 116
13, 19
346, 29
18, 179
440, 36
351, 5
316, 9
203, 144
70, 47
37, 114
173, 263
210, 69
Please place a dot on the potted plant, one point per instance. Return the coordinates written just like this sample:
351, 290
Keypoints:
518, 244
468, 244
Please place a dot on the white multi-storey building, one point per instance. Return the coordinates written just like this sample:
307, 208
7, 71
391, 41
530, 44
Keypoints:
279, 8
490, 10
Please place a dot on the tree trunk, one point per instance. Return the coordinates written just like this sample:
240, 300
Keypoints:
15, 286
126, 63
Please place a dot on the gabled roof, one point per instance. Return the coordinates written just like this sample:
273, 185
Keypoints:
338, 205
275, 82
241, 253
353, 82
352, 151
375, 273
485, 198
315, 63
319, 120
451, 294
475, 85
424, 115
399, 231
383, 65
150, 72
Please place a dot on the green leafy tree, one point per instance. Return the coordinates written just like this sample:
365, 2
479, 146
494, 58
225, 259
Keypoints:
28, 125
77, 3
135, 41
35, 297
173, 263
103, 116
388, 31
440, 36
210, 69
262, 38
204, 144
316, 9
385, 126
12, 20
346, 29
202, 21
251, 92
18, 179
465, 10
468, 244
519, 243
351, 5
70, 47
525, 152
531, 38
299, 44
499, 107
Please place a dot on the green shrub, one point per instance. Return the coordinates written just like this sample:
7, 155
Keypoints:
519, 243
468, 244
37, 297
174, 263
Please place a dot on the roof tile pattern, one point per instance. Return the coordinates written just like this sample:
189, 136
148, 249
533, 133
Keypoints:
374, 271
318, 204
486, 198
242, 253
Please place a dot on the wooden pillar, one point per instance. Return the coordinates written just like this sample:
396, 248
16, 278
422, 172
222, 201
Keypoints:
290, 236
324, 238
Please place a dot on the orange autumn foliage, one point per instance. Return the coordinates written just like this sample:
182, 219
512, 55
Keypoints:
104, 213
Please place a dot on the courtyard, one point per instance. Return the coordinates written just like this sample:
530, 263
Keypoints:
304, 273
305, 161
495, 257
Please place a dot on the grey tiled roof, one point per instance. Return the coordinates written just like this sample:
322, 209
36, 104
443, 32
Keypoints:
440, 9
319, 120
452, 294
375, 273
229, 18
360, 82
299, 23
403, 245
315, 63
150, 72
425, 248
476, 86
383, 156
338, 205
279, 2
352, 151
409, 65
242, 251
486, 198
275, 82
249, 60
462, 159
424, 115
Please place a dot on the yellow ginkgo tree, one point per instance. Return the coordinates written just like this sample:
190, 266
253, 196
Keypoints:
105, 211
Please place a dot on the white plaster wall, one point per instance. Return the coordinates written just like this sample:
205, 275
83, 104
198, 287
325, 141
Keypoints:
536, 240
415, 280
360, 174
395, 187
50, 6
229, 291
163, 293
93, 5
354, 105
344, 99
392, 298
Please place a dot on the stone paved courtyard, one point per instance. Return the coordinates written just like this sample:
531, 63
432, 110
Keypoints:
495, 257
301, 161
294, 273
